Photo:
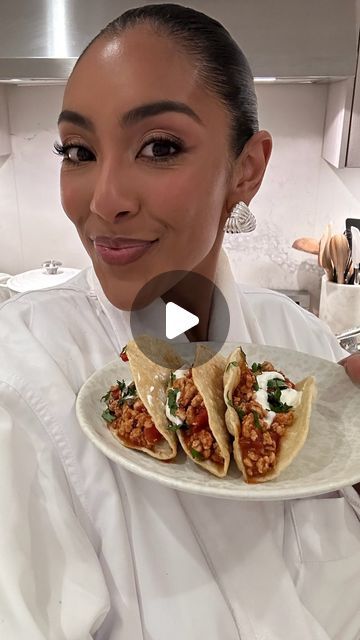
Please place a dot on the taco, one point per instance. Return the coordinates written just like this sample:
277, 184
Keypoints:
267, 414
135, 411
196, 411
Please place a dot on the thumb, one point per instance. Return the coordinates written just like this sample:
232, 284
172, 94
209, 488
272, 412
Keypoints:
351, 365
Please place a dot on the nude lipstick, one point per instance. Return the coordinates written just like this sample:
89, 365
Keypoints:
117, 250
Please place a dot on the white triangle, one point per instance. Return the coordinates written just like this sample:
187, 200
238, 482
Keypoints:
178, 320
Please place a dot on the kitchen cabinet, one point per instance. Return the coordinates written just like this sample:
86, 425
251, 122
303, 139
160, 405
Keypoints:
5, 144
341, 146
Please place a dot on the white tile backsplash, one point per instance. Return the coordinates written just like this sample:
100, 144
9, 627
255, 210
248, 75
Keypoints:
44, 231
11, 254
300, 193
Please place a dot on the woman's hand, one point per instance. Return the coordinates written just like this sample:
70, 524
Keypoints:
351, 365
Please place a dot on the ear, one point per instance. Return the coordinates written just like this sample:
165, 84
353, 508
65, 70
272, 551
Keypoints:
249, 168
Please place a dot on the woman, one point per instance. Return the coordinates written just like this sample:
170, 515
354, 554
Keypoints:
160, 140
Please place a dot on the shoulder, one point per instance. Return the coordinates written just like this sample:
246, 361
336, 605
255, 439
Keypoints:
284, 323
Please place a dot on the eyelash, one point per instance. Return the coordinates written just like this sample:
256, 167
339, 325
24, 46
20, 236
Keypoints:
63, 150
175, 143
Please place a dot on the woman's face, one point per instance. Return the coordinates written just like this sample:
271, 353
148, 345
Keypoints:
145, 174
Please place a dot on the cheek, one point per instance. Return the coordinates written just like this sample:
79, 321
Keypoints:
75, 196
189, 205
188, 200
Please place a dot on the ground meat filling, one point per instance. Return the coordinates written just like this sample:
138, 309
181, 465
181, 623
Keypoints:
132, 422
192, 411
260, 442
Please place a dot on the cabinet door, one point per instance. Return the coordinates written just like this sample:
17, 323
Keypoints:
353, 154
337, 122
341, 145
5, 145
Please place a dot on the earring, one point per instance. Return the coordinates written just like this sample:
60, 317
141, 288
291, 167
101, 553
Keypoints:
241, 220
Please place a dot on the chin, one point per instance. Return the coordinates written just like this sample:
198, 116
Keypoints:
135, 286
120, 294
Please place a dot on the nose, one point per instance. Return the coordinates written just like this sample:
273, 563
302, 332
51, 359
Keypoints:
113, 194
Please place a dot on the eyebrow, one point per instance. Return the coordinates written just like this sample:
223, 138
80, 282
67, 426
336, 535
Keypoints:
134, 115
155, 108
76, 118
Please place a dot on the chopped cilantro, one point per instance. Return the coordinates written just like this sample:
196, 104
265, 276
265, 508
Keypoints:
229, 402
256, 367
256, 420
256, 386
108, 415
171, 401
276, 404
175, 427
240, 412
172, 377
128, 393
232, 364
276, 394
276, 383
196, 454
274, 397
106, 397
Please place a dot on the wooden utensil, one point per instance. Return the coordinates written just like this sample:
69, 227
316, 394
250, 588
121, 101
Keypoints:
309, 245
326, 261
339, 253
323, 240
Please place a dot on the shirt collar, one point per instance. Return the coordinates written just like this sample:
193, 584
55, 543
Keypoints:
243, 324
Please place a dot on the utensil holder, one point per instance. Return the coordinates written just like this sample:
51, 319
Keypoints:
339, 305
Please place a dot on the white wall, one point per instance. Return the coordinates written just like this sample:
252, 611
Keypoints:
34, 227
300, 193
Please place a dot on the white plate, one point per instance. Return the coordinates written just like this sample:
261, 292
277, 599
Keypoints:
330, 458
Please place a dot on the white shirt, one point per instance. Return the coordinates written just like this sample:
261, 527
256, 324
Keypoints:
89, 550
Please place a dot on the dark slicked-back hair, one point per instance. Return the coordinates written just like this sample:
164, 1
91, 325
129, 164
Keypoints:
222, 66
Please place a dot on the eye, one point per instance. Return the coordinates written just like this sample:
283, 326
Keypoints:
74, 153
161, 148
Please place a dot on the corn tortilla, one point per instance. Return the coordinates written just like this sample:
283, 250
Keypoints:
294, 437
151, 382
208, 378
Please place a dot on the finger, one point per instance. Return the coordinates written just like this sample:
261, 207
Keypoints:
352, 367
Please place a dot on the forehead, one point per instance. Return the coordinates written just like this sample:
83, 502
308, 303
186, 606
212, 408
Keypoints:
136, 67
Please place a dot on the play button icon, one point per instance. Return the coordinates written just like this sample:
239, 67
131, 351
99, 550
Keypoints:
174, 306
178, 320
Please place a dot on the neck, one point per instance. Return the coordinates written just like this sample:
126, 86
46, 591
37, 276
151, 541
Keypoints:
195, 294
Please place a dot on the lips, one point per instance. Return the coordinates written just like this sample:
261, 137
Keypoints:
120, 251
118, 242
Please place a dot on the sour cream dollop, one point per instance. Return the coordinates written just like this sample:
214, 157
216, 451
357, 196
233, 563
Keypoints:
173, 419
179, 373
288, 396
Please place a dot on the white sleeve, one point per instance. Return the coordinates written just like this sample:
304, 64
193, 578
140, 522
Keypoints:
51, 583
